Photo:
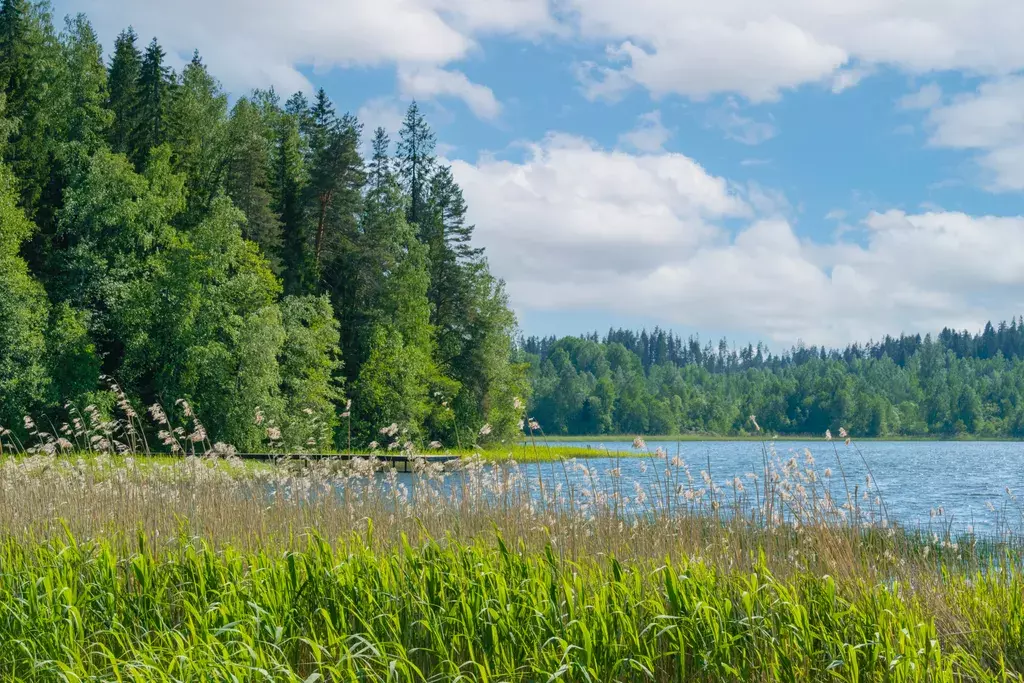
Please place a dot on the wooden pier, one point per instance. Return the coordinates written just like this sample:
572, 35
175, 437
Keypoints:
402, 462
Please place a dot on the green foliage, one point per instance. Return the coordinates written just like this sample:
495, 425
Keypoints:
170, 229
310, 370
23, 312
209, 328
585, 386
29, 75
196, 128
84, 86
390, 387
112, 221
125, 69
247, 178
481, 612
150, 116
73, 365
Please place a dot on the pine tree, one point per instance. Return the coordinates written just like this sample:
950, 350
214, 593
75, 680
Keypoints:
151, 111
334, 192
416, 162
123, 83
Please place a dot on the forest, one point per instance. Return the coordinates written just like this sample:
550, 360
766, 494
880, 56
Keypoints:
956, 384
249, 262
253, 262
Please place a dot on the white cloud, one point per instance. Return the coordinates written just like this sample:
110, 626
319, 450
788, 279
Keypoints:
754, 48
381, 112
735, 126
988, 121
927, 97
258, 43
578, 226
848, 78
430, 82
758, 48
650, 135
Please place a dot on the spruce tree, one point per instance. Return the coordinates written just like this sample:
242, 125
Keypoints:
17, 53
29, 63
123, 84
247, 178
84, 83
454, 262
151, 107
289, 181
197, 129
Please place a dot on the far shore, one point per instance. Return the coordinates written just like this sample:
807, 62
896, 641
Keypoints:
628, 438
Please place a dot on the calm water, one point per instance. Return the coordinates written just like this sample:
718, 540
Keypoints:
913, 477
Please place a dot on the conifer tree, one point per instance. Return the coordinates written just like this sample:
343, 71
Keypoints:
416, 162
454, 262
123, 85
29, 56
84, 85
247, 178
152, 104
290, 177
197, 130
336, 178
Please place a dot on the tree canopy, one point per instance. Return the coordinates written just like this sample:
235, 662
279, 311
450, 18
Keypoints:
243, 266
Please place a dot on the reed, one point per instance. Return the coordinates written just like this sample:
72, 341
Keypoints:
447, 610
209, 568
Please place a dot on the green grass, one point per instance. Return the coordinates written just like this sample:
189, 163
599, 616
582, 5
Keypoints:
207, 569
486, 611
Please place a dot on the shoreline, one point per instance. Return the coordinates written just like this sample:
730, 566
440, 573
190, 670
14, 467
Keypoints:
665, 438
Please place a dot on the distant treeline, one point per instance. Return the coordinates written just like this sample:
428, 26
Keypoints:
957, 383
244, 257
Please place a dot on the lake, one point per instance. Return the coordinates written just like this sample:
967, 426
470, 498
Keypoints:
913, 477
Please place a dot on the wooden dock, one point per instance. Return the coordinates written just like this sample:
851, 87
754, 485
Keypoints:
402, 462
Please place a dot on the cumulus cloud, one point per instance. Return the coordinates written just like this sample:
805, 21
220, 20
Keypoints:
650, 135
759, 48
577, 226
989, 122
430, 82
258, 43
753, 48
381, 112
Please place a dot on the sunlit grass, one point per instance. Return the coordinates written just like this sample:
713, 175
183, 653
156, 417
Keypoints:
487, 568
481, 611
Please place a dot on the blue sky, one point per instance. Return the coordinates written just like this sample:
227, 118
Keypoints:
817, 170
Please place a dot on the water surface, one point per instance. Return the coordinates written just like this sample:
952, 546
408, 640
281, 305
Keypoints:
914, 478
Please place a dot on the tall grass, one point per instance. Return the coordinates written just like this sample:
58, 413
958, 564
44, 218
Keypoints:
491, 611
207, 568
